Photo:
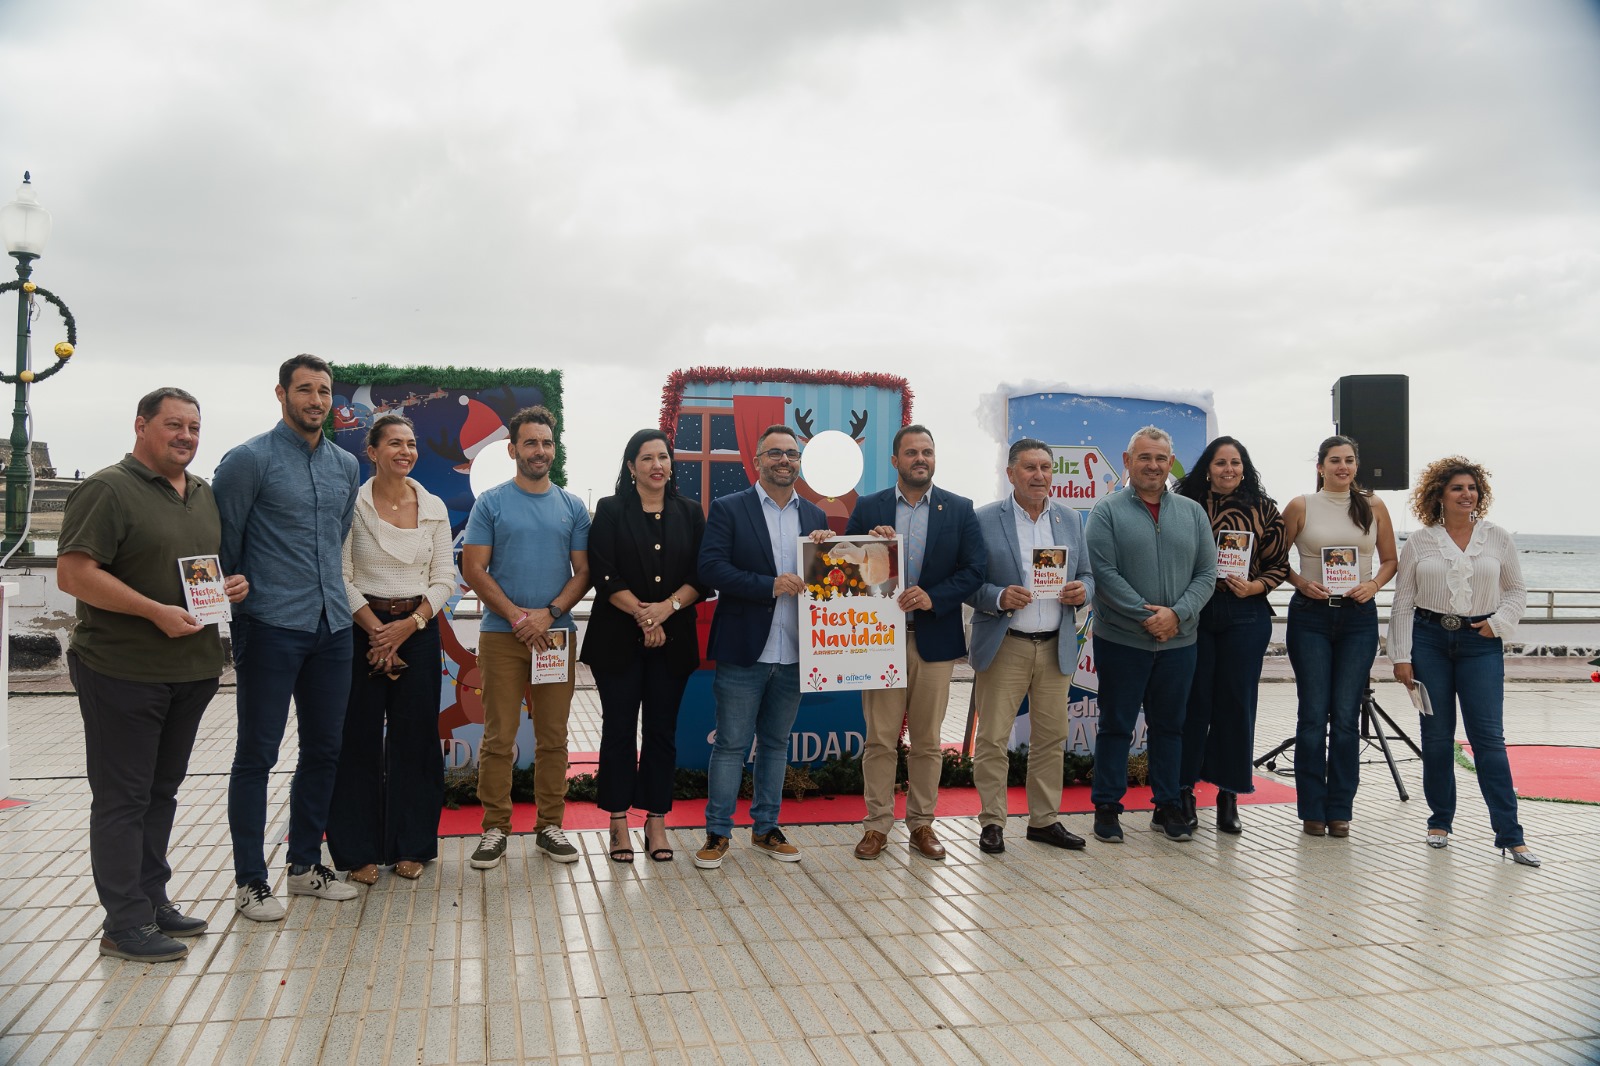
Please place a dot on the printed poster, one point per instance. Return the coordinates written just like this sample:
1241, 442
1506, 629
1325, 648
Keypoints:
550, 665
203, 592
1340, 572
852, 632
1049, 574
1233, 553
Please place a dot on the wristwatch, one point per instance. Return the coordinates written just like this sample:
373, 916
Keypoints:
555, 612
676, 604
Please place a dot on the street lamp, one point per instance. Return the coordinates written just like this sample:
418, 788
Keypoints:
25, 227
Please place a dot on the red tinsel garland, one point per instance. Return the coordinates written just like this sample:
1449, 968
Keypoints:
679, 380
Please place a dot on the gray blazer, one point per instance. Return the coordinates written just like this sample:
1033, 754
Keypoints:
997, 522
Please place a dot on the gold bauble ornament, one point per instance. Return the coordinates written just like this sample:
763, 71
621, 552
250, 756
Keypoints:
64, 350
26, 375
28, 286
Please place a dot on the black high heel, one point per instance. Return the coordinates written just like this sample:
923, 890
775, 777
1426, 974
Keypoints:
657, 854
621, 841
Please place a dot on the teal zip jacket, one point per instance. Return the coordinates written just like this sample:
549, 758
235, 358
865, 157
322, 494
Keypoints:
1137, 560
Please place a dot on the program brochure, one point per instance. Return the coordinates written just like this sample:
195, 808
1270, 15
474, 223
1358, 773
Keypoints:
203, 592
1341, 571
1233, 553
551, 665
1048, 574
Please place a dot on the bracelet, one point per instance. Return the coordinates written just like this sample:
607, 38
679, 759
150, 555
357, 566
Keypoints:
422, 623
521, 620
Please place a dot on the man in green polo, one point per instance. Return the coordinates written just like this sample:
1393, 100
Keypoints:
143, 666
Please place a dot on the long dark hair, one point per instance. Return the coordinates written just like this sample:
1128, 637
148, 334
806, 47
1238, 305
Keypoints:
1195, 485
625, 487
1360, 498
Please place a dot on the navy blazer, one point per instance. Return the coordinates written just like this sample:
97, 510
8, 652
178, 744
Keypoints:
952, 565
736, 560
997, 521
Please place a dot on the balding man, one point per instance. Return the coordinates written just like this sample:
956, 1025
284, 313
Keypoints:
1155, 566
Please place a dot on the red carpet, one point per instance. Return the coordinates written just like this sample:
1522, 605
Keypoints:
822, 810
1543, 772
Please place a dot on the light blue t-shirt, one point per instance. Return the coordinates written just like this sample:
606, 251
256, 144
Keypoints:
532, 536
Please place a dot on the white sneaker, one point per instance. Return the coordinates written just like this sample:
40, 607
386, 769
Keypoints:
256, 902
321, 882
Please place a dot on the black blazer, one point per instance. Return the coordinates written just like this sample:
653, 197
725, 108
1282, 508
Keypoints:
652, 557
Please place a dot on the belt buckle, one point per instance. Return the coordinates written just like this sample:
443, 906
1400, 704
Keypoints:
1335, 601
1451, 622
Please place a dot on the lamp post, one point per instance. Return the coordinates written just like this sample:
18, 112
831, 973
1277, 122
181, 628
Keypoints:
25, 227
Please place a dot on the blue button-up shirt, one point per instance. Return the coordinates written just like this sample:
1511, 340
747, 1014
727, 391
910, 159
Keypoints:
783, 527
285, 510
911, 522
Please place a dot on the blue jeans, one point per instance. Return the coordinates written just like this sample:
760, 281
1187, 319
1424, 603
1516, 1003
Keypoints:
1464, 666
753, 702
1331, 650
1159, 681
272, 665
1219, 729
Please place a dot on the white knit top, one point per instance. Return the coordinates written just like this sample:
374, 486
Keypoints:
1436, 575
384, 560
1329, 525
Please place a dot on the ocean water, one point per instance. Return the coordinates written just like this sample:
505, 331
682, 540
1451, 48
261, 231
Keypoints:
1559, 562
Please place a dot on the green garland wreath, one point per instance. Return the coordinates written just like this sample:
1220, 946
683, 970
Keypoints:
63, 350
462, 378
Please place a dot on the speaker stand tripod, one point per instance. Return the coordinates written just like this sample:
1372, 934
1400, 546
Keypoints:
1373, 719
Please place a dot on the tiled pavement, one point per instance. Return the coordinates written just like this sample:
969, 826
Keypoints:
1266, 948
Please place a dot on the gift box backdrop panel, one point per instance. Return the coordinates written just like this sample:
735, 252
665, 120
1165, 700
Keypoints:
1106, 422
1087, 434
715, 417
459, 413
460, 416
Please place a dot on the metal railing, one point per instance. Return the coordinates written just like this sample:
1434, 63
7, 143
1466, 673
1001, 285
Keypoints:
1544, 605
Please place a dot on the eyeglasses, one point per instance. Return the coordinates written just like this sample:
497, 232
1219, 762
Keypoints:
778, 453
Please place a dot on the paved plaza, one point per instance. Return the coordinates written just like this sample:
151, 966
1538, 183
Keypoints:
1270, 947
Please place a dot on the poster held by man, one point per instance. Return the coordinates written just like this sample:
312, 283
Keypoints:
853, 632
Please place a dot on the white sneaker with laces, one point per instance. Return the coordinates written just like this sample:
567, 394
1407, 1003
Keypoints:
256, 902
321, 882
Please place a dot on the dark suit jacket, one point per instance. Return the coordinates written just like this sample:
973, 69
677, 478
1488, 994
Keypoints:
736, 560
651, 557
952, 565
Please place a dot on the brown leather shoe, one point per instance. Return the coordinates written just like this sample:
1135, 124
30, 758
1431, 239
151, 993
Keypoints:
872, 844
1316, 829
364, 875
924, 841
1338, 827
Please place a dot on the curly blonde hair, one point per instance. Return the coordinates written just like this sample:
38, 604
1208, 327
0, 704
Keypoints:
1428, 497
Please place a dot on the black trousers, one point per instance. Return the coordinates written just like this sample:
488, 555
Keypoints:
137, 737
390, 785
639, 776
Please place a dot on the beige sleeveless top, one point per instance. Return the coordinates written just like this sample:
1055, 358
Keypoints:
1328, 525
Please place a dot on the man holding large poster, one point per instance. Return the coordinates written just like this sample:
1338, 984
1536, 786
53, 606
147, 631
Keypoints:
944, 562
750, 554
1025, 645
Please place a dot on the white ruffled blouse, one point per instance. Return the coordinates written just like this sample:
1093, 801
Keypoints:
1482, 579
384, 560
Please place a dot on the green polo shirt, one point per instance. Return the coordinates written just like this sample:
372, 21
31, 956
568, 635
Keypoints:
131, 521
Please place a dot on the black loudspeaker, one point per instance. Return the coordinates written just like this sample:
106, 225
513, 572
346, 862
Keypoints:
1374, 410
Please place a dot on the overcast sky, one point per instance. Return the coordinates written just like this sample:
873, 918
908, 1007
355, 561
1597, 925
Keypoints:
1248, 197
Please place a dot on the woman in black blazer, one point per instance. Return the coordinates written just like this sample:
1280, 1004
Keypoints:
641, 643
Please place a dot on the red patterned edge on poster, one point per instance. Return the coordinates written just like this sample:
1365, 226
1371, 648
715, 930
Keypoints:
672, 392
